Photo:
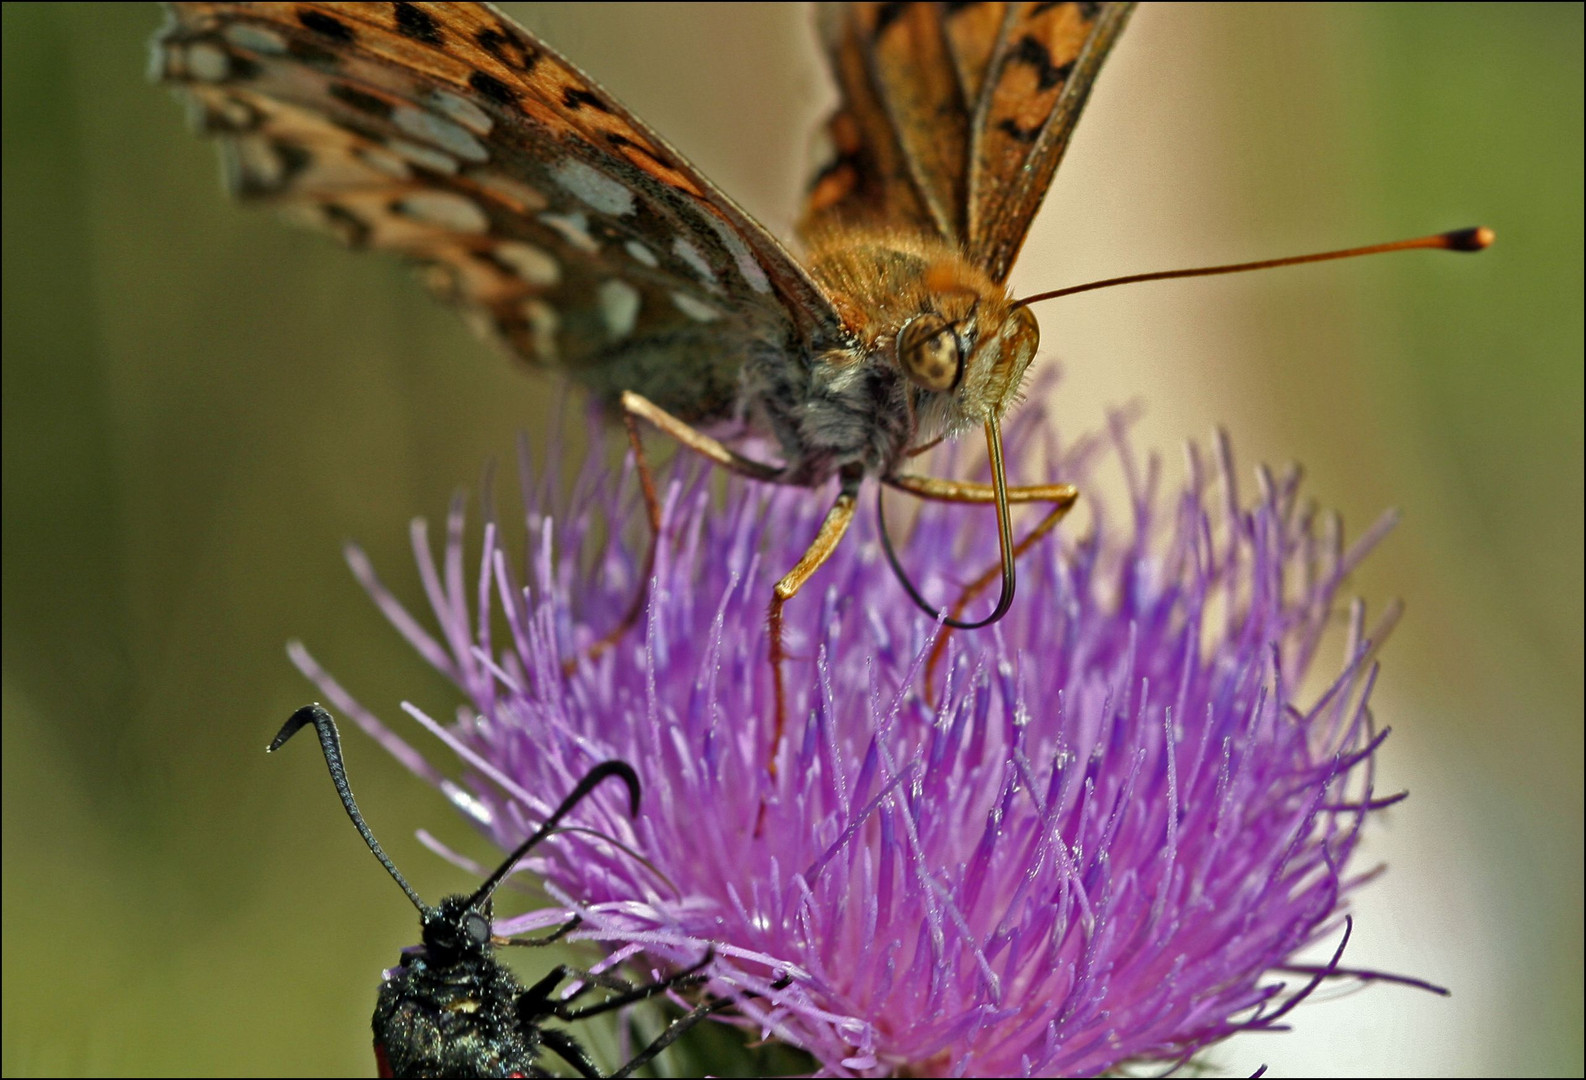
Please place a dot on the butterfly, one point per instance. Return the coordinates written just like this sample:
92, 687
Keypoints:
563, 226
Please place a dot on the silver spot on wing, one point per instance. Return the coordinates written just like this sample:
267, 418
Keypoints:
695, 308
383, 161
619, 306
696, 262
252, 164
748, 265
641, 254
543, 325
460, 109
440, 132
525, 197
593, 188
423, 156
207, 62
259, 39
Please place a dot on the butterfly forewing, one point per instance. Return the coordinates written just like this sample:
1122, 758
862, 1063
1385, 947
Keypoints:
1047, 59
448, 133
954, 116
575, 234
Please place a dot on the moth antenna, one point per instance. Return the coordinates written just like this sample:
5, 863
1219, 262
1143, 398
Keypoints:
1473, 239
590, 781
1005, 546
330, 743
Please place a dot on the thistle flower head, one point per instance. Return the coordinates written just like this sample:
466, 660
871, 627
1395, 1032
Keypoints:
1098, 834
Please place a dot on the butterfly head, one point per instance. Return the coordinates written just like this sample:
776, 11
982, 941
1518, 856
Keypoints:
964, 351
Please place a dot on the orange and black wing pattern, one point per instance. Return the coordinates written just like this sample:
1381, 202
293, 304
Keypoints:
556, 219
954, 116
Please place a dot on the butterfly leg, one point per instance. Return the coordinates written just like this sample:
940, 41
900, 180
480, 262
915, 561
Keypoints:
634, 408
652, 507
1061, 496
838, 518
935, 489
696, 440
820, 549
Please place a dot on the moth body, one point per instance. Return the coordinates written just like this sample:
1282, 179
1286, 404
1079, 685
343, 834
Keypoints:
449, 1008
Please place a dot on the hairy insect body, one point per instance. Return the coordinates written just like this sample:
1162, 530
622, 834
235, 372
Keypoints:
937, 348
430, 1022
449, 1008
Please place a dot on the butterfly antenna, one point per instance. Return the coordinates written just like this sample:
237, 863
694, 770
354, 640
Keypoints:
1475, 239
590, 781
330, 743
1005, 546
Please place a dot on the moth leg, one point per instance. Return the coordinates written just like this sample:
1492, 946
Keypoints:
838, 518
533, 1010
544, 939
689, 976
673, 1031
569, 1050
677, 1028
1061, 496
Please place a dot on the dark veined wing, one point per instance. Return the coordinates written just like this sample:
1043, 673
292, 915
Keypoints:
558, 220
954, 116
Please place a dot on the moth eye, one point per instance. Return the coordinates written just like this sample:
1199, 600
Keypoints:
477, 927
929, 353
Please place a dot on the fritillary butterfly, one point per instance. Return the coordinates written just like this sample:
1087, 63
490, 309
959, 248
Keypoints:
568, 229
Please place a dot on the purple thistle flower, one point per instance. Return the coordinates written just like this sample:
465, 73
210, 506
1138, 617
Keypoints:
1093, 839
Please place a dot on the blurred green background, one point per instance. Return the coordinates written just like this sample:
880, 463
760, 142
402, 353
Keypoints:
201, 404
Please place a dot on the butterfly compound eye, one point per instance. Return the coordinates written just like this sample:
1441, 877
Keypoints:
929, 353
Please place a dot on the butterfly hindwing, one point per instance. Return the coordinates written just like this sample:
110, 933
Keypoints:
547, 211
901, 134
954, 116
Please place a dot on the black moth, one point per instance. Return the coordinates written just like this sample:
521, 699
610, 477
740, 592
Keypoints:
450, 1008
